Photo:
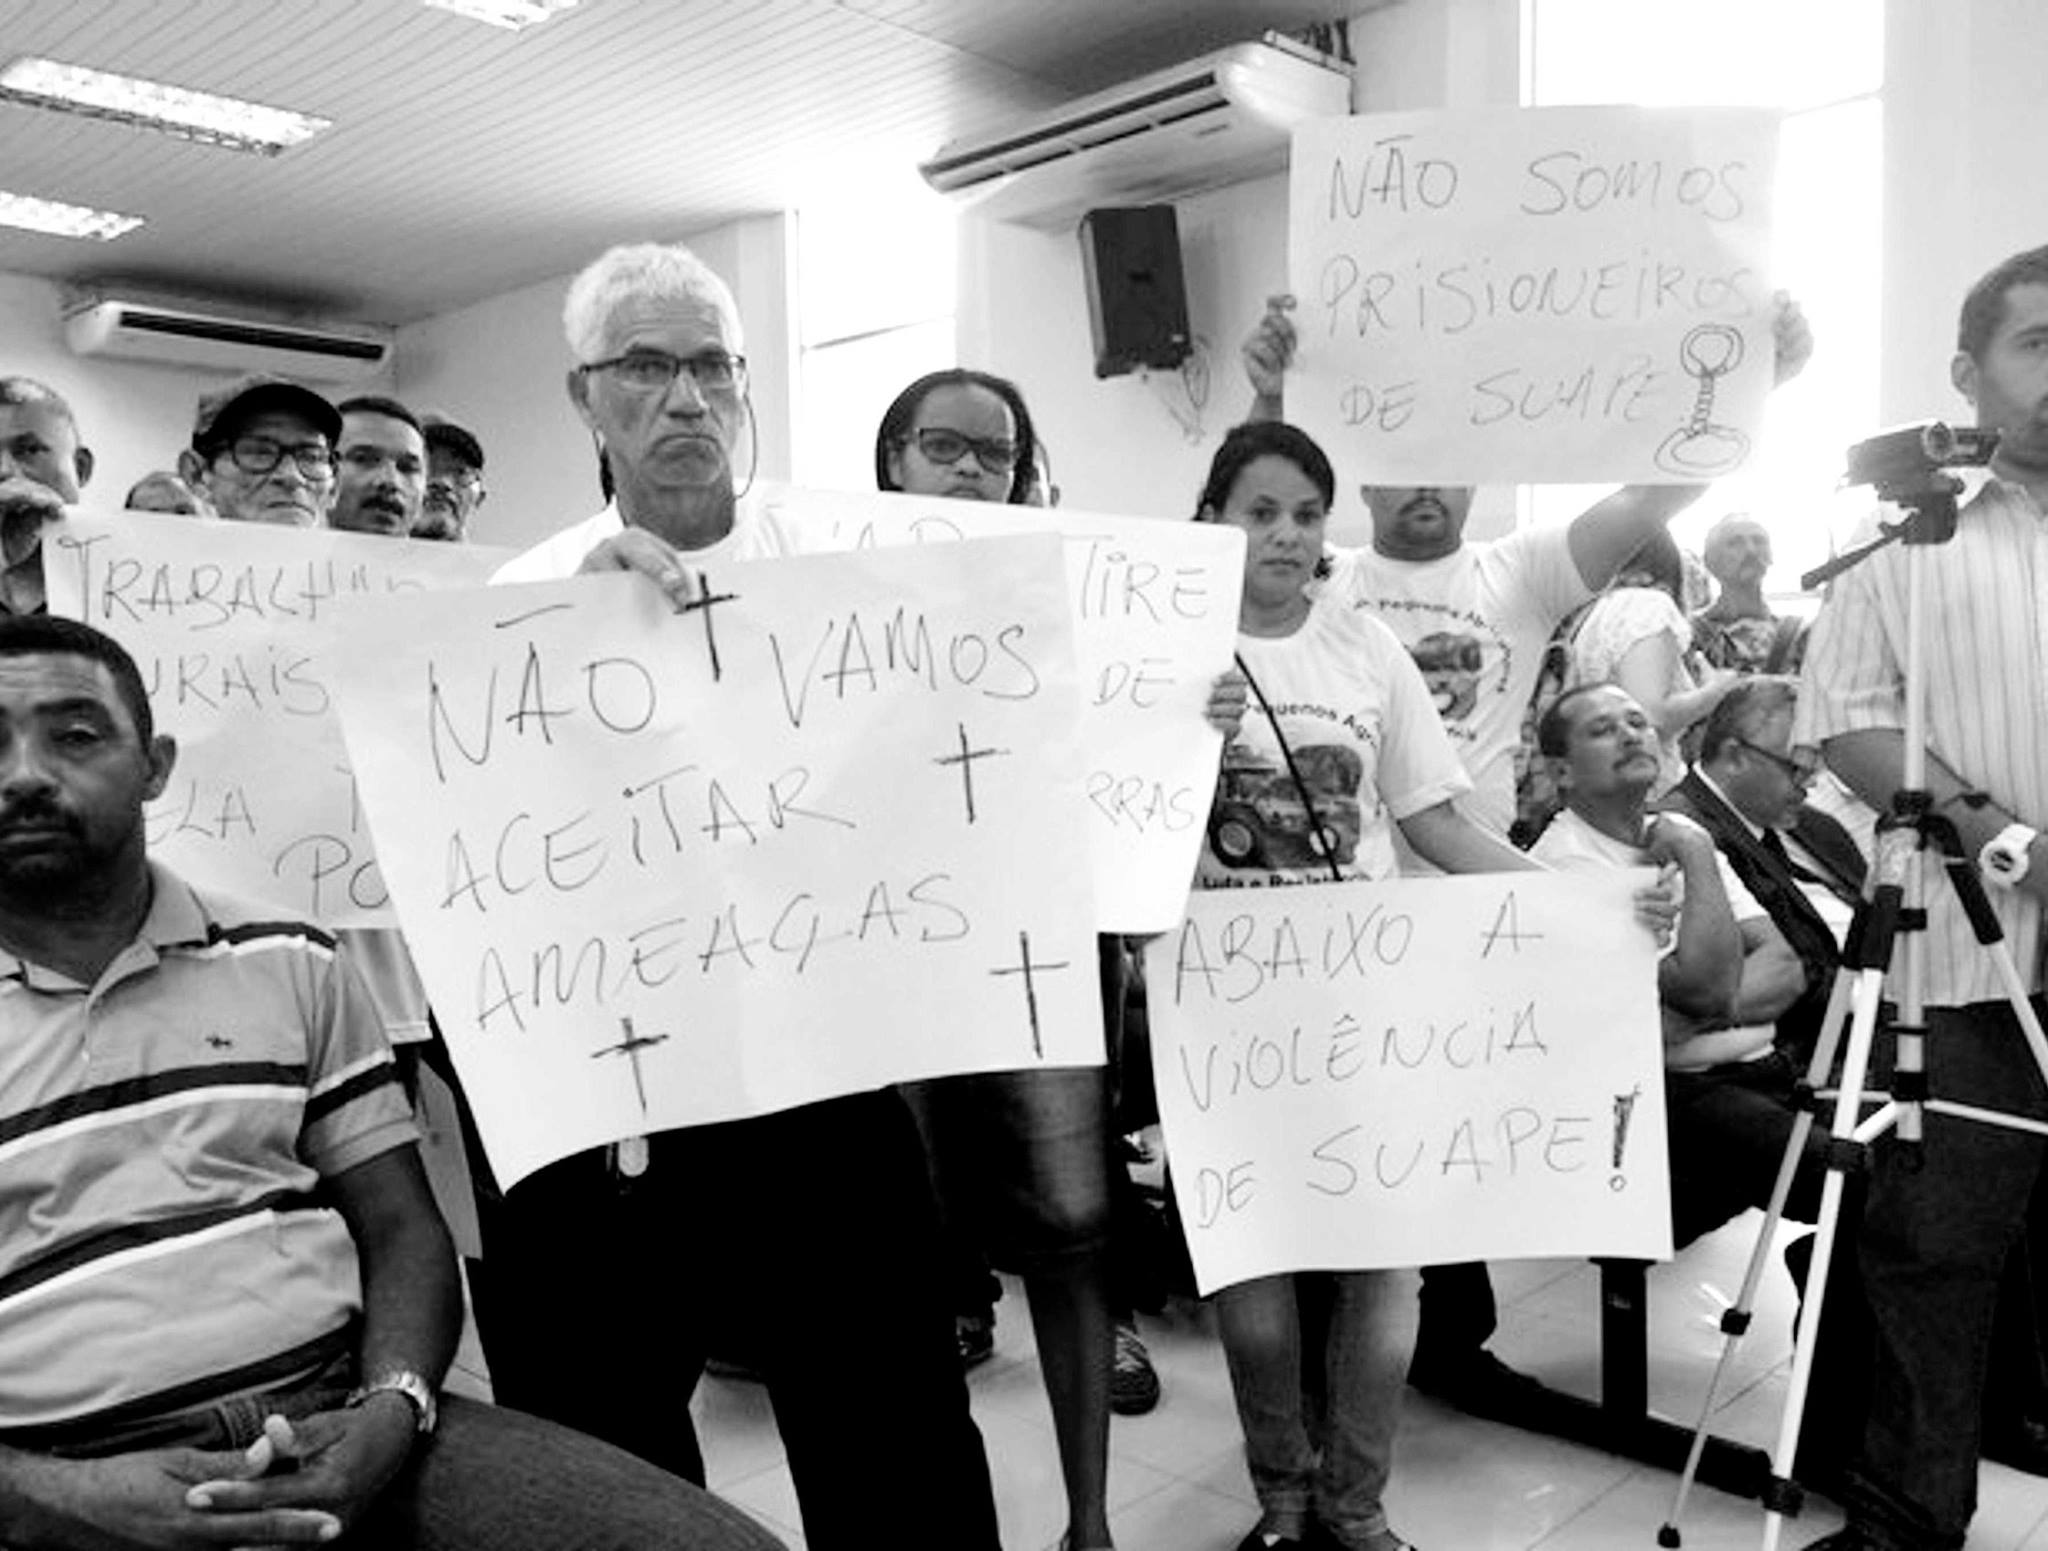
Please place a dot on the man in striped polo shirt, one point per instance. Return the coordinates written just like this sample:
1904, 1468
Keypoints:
1941, 1220
226, 1300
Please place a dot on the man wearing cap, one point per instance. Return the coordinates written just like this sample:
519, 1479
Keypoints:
263, 451
161, 490
42, 467
455, 481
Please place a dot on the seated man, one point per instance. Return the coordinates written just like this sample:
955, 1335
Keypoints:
226, 1301
1727, 975
1748, 791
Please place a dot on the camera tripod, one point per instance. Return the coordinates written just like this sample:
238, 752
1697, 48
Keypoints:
1892, 916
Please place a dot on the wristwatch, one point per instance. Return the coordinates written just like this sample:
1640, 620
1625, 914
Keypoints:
2004, 857
403, 1381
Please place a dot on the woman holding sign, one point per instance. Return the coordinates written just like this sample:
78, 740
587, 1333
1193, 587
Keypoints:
1341, 748
1025, 1154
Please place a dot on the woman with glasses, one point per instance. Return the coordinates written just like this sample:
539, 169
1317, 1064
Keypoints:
958, 433
1022, 1158
1341, 748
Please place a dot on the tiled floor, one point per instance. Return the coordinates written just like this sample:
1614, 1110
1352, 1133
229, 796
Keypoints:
1177, 1479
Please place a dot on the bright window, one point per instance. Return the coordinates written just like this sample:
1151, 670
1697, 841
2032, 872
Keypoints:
1823, 62
875, 310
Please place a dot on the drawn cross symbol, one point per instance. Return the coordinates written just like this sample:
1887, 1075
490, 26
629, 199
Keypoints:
703, 603
1026, 967
630, 1047
965, 760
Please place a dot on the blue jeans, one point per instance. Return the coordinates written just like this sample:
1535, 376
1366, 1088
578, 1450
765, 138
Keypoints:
497, 1480
1934, 1243
1317, 1361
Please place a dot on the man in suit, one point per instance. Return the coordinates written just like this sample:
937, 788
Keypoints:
1748, 791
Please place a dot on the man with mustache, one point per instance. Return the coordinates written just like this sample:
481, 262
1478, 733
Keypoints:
43, 466
1498, 604
383, 468
1729, 974
455, 481
1738, 630
226, 1298
1941, 1220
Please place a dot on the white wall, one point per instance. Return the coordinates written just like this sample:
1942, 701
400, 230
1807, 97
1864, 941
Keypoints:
135, 417
1965, 121
1116, 445
498, 367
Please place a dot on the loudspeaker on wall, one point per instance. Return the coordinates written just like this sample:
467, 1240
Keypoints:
1137, 300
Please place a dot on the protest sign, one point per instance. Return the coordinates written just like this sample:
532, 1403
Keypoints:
821, 833
1539, 294
1155, 623
1415, 1072
232, 625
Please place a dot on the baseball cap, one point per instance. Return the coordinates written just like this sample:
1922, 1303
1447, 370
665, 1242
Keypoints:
450, 437
222, 412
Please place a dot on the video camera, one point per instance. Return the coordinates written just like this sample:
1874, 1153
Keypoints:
1912, 455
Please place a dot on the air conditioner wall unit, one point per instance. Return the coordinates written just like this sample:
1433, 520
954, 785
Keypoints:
217, 339
1212, 121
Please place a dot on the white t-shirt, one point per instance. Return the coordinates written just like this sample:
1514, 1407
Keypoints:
1366, 742
1476, 623
756, 534
1571, 844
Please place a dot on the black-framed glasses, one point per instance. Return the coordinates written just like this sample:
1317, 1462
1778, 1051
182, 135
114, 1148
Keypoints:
943, 445
259, 455
1793, 770
655, 371
457, 479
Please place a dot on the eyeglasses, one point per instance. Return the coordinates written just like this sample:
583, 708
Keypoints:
1796, 771
941, 445
457, 479
655, 371
257, 455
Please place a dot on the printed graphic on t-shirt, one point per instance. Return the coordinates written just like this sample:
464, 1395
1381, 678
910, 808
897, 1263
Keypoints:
1260, 821
1450, 665
1462, 656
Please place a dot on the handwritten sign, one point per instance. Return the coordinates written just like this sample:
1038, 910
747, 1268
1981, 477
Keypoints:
1416, 1072
1548, 294
1155, 623
233, 627
822, 833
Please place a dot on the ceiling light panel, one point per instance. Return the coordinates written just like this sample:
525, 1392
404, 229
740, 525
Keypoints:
61, 220
511, 14
172, 110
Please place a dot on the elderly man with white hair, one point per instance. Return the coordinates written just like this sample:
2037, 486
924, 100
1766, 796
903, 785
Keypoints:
612, 1271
